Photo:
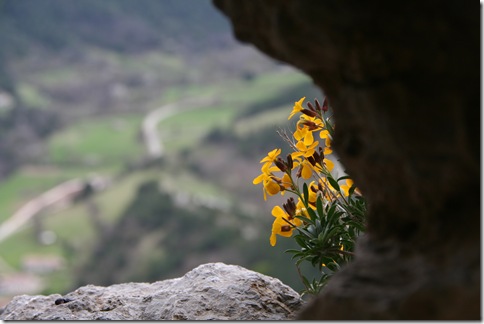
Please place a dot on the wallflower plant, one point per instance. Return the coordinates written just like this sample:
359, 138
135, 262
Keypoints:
325, 214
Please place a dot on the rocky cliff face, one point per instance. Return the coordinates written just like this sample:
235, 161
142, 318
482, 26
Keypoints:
213, 291
403, 80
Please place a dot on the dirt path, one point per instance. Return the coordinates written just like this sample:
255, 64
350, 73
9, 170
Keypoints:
154, 145
63, 192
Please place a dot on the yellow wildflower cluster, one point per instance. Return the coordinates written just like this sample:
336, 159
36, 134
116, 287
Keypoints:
308, 161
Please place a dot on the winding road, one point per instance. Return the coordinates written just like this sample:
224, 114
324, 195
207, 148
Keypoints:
154, 146
65, 191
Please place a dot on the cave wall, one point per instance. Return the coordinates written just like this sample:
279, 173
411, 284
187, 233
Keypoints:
403, 79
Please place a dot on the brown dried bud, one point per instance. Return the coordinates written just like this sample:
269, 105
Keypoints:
318, 106
316, 157
311, 160
290, 207
280, 164
310, 106
290, 164
308, 112
311, 126
321, 153
325, 105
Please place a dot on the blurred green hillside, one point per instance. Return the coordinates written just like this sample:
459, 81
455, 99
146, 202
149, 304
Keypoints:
84, 76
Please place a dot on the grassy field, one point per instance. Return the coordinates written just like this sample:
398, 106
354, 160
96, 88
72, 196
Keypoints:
107, 141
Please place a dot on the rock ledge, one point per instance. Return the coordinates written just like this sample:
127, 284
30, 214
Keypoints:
213, 291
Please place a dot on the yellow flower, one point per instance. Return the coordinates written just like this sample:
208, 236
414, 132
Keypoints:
286, 181
301, 209
269, 185
280, 226
313, 123
304, 150
346, 187
324, 134
304, 133
306, 169
329, 164
271, 157
313, 193
297, 107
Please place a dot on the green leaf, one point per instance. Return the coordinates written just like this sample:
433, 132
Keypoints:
303, 231
305, 219
333, 183
352, 189
300, 241
343, 178
305, 281
311, 213
331, 211
319, 207
329, 127
305, 193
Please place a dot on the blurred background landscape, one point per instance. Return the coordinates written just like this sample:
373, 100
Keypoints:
130, 133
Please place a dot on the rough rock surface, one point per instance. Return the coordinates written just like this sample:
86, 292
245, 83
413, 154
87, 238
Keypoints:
403, 79
213, 291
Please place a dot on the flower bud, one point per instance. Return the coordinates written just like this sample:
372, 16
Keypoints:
290, 164
318, 106
321, 154
280, 164
309, 113
310, 125
310, 106
311, 160
325, 105
290, 207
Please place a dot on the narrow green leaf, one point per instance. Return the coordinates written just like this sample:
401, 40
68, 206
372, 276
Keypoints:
352, 190
305, 281
334, 183
305, 219
311, 213
306, 193
319, 207
343, 178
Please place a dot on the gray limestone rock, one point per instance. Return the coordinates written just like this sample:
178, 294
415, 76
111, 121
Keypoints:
213, 291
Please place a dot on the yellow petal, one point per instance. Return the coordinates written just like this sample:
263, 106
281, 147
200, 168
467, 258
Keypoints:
329, 164
324, 134
258, 179
286, 181
273, 239
297, 107
308, 139
306, 172
278, 212
272, 187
